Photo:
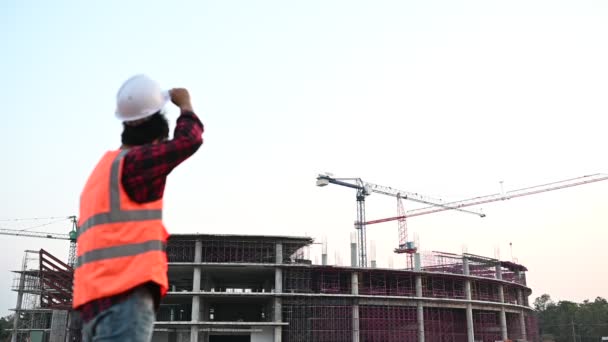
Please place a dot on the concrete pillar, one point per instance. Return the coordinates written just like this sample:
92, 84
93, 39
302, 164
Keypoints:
420, 320
420, 308
419, 305
522, 324
503, 324
498, 271
354, 281
469, 309
279, 253
324, 259
196, 287
520, 297
278, 316
278, 288
353, 254
503, 316
278, 280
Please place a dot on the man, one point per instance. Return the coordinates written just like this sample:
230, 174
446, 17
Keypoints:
121, 272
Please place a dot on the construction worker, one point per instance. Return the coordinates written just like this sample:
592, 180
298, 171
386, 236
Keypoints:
121, 270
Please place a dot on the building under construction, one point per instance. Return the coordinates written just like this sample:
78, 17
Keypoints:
262, 288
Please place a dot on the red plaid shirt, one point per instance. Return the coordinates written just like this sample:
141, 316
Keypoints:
144, 174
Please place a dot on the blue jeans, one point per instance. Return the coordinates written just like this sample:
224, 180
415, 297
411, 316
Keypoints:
131, 320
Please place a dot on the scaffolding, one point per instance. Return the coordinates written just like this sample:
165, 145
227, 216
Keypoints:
442, 262
297, 280
44, 296
316, 302
445, 324
331, 280
514, 326
386, 282
388, 323
56, 281
485, 291
440, 286
532, 331
487, 326
317, 319
31, 321
245, 249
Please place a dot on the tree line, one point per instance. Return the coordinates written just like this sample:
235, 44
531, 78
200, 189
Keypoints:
566, 321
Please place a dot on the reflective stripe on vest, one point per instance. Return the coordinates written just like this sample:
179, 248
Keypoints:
120, 251
117, 215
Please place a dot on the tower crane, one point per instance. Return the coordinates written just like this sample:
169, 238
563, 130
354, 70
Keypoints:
530, 190
71, 236
365, 189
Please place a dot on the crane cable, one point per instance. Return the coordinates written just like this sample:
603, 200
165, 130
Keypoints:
56, 220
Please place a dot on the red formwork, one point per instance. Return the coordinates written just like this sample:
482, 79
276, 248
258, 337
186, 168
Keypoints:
514, 278
316, 319
485, 291
486, 326
331, 323
222, 250
532, 331
332, 281
514, 331
373, 283
438, 286
510, 294
387, 283
388, 323
297, 280
238, 251
445, 325
401, 284
319, 280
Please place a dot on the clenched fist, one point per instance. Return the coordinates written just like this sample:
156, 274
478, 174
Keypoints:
181, 98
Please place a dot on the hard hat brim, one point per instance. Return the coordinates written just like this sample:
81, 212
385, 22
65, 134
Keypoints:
145, 113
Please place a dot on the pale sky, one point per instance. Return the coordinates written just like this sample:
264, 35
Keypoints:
444, 98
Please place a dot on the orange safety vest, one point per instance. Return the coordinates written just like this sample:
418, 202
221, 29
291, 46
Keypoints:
121, 243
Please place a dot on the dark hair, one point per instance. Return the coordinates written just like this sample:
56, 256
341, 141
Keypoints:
155, 127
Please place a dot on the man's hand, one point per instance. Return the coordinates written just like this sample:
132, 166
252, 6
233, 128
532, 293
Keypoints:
181, 98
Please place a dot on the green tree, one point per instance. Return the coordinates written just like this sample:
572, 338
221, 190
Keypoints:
6, 324
567, 321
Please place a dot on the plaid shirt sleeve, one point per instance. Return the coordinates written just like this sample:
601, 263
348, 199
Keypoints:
145, 171
146, 167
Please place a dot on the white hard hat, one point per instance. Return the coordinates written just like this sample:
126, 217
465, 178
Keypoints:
139, 97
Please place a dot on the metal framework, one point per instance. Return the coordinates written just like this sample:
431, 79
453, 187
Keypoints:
317, 319
311, 302
44, 297
388, 323
445, 324
487, 326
